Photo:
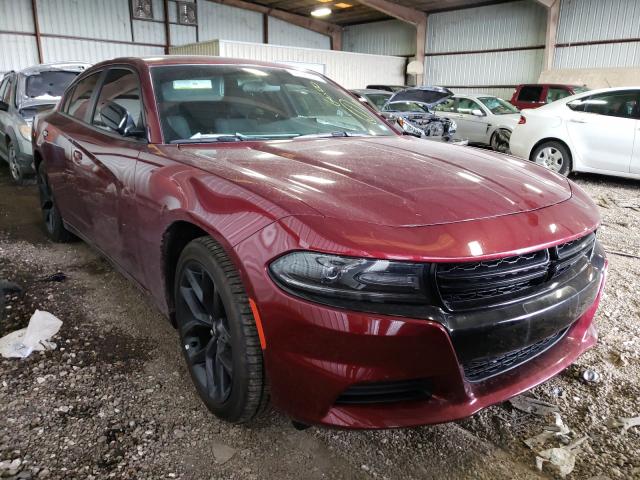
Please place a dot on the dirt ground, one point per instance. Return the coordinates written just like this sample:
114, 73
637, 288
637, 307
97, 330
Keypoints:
114, 400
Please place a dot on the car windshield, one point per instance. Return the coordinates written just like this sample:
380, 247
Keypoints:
497, 106
200, 103
378, 99
407, 107
48, 84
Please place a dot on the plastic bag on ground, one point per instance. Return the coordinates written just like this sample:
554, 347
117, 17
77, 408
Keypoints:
36, 337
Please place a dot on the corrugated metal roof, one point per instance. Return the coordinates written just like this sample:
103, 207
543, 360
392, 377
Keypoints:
220, 21
588, 20
62, 49
15, 15
517, 24
391, 37
598, 56
17, 52
284, 33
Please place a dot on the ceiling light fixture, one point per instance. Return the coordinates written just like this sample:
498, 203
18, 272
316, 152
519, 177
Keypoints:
321, 12
343, 5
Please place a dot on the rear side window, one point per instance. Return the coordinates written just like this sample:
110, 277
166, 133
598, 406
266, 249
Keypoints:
80, 100
122, 87
554, 94
530, 94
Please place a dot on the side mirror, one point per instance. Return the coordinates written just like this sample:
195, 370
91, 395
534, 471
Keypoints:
477, 112
118, 119
4, 106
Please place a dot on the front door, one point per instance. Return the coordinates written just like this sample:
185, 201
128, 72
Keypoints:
470, 126
603, 128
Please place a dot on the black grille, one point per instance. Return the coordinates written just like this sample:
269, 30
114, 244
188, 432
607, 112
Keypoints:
473, 285
482, 369
386, 392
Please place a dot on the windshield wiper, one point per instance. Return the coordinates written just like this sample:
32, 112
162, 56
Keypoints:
210, 138
338, 133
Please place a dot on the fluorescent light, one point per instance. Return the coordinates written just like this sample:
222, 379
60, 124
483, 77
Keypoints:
321, 12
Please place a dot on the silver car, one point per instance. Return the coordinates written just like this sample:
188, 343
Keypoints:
23, 95
482, 119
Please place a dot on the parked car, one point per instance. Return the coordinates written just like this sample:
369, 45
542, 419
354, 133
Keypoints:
594, 132
24, 94
413, 110
482, 119
306, 250
374, 98
539, 94
387, 88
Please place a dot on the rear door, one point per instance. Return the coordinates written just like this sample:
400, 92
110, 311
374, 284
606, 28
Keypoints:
63, 132
530, 96
105, 163
603, 129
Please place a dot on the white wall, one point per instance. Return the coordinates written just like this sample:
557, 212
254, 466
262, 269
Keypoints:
283, 33
351, 70
391, 37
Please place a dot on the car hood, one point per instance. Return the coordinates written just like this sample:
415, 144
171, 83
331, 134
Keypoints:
429, 96
394, 181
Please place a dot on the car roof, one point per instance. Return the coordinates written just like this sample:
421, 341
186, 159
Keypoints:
43, 67
474, 95
189, 60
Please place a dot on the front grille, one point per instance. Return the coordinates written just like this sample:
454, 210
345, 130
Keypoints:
386, 392
474, 285
484, 368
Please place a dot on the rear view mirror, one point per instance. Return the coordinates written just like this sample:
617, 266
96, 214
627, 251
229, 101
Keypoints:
4, 106
118, 119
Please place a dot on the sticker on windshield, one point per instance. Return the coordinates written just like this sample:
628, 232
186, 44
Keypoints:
192, 84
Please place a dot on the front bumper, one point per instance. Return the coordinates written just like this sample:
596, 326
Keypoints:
24, 155
315, 353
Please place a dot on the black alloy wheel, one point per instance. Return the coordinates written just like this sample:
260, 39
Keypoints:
218, 333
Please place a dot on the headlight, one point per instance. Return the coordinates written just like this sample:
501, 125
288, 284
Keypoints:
25, 131
337, 280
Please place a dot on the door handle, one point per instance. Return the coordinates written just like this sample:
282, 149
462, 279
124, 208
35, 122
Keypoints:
573, 120
77, 156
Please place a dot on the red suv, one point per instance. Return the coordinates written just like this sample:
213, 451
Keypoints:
536, 95
309, 253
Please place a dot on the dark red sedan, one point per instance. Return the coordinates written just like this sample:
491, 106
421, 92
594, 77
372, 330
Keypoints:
308, 252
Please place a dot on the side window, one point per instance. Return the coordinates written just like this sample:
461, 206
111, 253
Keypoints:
80, 100
554, 94
530, 93
123, 88
6, 96
447, 106
466, 106
615, 104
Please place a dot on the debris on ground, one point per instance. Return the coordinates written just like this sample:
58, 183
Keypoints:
558, 431
533, 405
56, 277
563, 459
36, 337
223, 453
590, 376
7, 288
624, 423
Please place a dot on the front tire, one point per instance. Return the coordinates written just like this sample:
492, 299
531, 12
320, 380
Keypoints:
54, 225
15, 170
554, 156
500, 141
218, 333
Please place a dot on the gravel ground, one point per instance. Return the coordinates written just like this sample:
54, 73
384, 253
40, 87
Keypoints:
114, 400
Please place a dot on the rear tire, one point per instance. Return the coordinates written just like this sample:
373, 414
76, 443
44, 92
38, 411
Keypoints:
553, 155
53, 223
218, 333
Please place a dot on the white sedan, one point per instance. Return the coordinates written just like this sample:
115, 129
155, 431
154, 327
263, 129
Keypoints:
482, 119
597, 131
